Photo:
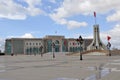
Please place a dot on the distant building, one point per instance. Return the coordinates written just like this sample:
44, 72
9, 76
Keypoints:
43, 45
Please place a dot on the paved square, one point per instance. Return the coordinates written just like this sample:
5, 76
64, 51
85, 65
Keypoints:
62, 67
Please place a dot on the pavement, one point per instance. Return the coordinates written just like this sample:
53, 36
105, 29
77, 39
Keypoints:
62, 67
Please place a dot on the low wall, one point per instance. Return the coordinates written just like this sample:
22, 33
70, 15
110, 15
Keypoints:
90, 51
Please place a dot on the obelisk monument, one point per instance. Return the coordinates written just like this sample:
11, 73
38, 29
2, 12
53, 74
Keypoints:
96, 43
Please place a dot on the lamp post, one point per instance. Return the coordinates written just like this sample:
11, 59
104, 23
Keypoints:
53, 46
108, 47
80, 40
41, 47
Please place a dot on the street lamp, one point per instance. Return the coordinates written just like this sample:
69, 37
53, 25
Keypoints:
53, 46
108, 47
41, 47
80, 40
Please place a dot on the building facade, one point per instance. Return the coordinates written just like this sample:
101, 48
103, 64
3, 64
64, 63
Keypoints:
44, 45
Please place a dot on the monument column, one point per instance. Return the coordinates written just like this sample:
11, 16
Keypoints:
96, 43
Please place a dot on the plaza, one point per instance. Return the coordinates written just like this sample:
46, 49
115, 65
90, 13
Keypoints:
62, 67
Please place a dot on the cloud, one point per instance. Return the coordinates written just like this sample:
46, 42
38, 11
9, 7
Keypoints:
74, 24
65, 11
71, 24
85, 7
114, 17
32, 3
27, 35
52, 1
109, 8
10, 9
32, 9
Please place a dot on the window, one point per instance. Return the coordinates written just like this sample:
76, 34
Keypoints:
39, 43
36, 43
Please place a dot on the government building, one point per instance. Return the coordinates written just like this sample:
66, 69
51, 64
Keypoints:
47, 44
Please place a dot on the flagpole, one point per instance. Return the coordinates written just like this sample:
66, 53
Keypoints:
56, 32
95, 20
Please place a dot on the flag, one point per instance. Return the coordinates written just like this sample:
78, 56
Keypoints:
73, 43
65, 42
94, 14
108, 38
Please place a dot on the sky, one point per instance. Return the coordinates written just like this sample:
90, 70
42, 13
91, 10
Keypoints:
71, 18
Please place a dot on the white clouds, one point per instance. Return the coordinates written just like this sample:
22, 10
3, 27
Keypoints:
85, 7
60, 18
52, 1
68, 8
114, 17
32, 10
27, 35
12, 10
74, 24
71, 24
32, 3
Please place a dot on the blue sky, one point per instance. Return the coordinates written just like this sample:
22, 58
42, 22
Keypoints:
71, 18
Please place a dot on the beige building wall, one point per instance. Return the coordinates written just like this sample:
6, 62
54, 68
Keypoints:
31, 43
23, 45
56, 38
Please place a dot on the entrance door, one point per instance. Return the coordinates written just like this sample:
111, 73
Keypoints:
57, 43
57, 48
